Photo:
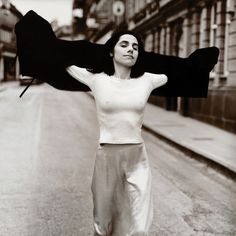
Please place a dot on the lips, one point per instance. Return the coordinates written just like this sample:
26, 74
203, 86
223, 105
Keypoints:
129, 56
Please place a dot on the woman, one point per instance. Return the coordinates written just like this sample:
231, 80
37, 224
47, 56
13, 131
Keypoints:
122, 180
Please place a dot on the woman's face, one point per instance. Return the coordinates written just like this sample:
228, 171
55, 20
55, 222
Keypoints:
126, 50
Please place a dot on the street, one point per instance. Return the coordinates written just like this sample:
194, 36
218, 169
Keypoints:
48, 141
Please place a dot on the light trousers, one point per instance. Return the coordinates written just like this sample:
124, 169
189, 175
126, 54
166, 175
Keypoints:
121, 188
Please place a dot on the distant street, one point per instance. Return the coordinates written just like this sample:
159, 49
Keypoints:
48, 140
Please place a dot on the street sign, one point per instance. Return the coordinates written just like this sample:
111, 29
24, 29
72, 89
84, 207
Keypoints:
118, 8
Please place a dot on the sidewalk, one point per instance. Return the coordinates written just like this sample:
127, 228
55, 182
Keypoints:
206, 141
9, 84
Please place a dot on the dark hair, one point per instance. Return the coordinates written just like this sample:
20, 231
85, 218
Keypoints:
107, 65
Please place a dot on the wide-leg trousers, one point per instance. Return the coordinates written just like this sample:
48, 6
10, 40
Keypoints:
121, 188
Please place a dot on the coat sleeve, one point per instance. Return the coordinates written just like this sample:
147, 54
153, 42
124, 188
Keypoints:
187, 77
43, 56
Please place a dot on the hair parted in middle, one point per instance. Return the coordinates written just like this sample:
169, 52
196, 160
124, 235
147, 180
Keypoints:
108, 66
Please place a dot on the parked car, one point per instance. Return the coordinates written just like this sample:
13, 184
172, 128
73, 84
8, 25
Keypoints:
25, 80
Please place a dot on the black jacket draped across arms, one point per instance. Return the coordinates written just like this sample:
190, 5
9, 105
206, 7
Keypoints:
43, 56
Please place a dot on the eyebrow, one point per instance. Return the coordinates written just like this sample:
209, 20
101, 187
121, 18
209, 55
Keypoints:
124, 41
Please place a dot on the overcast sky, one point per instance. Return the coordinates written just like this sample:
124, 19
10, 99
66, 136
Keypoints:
48, 9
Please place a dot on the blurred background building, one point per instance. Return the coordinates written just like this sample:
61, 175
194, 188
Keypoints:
9, 67
178, 27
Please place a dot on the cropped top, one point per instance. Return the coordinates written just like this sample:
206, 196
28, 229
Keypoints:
119, 102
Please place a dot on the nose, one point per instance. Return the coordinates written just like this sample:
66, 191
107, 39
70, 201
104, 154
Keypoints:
130, 49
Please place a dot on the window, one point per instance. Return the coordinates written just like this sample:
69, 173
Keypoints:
149, 42
5, 36
163, 40
202, 28
157, 39
213, 31
213, 25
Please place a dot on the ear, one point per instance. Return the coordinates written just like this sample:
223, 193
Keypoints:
111, 54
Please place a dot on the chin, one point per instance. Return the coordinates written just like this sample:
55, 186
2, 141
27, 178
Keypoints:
128, 64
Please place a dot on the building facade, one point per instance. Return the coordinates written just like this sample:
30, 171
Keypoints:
9, 66
178, 27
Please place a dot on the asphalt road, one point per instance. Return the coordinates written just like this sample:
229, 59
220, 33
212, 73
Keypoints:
47, 143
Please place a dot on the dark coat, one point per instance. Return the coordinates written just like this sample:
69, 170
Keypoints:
43, 56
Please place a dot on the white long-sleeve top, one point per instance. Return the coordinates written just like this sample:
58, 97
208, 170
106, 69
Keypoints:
120, 103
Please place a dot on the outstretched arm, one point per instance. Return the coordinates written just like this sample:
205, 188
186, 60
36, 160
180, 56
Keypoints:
81, 74
187, 77
157, 80
43, 56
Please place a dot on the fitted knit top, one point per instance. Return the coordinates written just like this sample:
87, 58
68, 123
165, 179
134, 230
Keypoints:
119, 102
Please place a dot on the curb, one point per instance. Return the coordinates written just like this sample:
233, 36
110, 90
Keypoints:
227, 171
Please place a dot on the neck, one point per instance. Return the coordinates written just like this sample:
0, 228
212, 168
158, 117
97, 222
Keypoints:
122, 72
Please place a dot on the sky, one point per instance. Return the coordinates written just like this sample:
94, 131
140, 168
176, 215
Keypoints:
60, 10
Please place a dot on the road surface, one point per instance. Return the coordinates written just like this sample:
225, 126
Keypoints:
47, 143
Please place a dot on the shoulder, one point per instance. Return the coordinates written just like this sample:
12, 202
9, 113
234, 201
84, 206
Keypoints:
78, 70
153, 76
156, 80
81, 74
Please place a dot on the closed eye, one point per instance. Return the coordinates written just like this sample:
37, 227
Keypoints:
126, 44
123, 45
135, 47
